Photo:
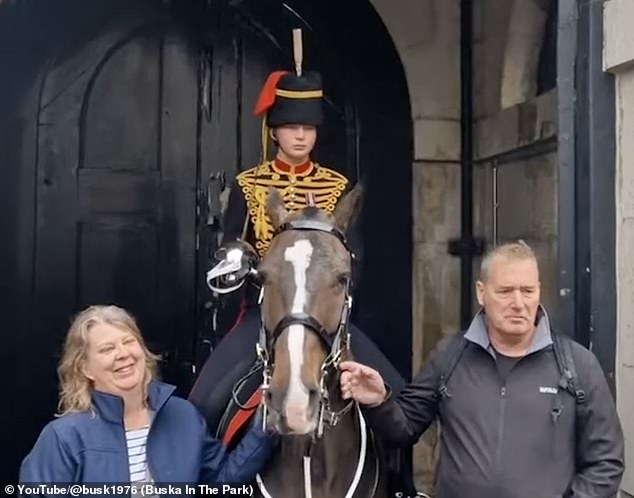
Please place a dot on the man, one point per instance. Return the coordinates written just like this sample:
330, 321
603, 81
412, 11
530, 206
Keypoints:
508, 429
291, 106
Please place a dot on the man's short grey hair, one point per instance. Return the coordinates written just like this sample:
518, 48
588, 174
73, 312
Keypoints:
512, 250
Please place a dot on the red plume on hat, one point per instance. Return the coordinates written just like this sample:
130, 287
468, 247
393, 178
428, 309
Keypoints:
267, 94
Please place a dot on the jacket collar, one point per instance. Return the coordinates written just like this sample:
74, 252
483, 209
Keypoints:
288, 169
477, 332
110, 406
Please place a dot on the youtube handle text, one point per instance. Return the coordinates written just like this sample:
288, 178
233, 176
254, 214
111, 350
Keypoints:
125, 490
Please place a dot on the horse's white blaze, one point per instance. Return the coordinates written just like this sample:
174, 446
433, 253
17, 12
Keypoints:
299, 256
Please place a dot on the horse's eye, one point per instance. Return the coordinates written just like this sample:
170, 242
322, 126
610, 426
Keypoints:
343, 279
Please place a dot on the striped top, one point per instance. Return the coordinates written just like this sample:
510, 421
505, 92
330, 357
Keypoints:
137, 459
136, 440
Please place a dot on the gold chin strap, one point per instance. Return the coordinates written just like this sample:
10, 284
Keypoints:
265, 141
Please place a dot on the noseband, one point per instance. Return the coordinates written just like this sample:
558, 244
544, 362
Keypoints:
337, 343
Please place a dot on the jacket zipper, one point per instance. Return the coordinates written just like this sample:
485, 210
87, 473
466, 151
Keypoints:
501, 419
150, 469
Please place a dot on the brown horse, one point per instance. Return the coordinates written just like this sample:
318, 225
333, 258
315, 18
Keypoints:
325, 450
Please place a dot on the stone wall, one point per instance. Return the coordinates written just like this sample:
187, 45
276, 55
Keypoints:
619, 60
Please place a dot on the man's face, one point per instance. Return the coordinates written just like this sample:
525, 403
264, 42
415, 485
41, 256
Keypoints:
510, 296
295, 142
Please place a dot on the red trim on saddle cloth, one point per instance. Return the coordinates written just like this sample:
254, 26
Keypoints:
241, 312
242, 417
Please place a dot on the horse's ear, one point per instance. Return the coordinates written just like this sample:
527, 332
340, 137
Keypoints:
275, 208
348, 207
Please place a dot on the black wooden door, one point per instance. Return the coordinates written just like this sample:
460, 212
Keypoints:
117, 186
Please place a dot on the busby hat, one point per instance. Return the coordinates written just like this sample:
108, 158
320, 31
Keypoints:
291, 97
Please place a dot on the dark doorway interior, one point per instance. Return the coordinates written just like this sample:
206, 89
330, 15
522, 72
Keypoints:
119, 122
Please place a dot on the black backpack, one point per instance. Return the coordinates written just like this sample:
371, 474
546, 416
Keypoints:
562, 347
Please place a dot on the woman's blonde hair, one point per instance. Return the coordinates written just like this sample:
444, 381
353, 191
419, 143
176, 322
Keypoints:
75, 388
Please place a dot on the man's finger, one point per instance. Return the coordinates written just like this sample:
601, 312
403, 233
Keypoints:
367, 371
349, 365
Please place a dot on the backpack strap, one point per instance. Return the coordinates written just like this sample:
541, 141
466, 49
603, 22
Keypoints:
450, 358
565, 361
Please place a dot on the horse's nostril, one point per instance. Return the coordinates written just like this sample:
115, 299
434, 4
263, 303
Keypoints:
313, 393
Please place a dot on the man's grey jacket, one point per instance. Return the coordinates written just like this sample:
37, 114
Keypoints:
503, 440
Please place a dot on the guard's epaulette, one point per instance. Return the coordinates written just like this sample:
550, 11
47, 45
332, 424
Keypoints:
326, 185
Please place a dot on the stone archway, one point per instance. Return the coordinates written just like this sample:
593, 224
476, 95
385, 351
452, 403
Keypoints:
524, 40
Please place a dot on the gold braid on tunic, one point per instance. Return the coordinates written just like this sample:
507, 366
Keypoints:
325, 184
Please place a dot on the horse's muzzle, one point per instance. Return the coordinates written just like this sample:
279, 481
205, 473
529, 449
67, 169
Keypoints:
294, 417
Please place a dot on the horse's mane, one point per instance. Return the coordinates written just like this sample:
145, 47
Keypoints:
310, 213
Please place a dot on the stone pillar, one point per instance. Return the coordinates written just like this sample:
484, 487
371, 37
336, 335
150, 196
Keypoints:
618, 58
427, 36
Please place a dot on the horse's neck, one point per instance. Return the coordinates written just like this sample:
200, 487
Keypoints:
333, 457
346, 427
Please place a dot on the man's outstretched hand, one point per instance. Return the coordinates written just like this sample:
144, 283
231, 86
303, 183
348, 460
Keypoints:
361, 383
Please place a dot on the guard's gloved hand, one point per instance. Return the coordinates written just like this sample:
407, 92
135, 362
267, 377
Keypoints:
236, 261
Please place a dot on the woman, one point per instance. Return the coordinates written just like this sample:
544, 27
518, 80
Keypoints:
118, 424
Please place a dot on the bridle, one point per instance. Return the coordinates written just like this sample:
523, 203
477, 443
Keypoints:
337, 344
